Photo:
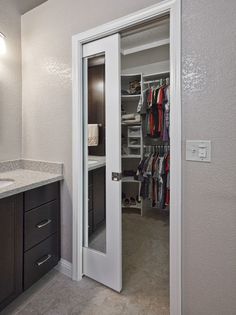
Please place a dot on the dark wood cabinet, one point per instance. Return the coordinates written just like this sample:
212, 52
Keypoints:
11, 244
99, 196
40, 259
96, 202
40, 223
38, 196
29, 239
41, 232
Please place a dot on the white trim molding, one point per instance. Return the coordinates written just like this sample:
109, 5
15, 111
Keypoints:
64, 267
172, 7
136, 49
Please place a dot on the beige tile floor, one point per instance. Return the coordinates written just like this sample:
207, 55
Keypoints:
145, 279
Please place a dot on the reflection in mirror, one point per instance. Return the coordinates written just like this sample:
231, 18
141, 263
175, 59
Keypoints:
96, 153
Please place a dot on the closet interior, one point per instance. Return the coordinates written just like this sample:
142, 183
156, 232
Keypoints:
145, 110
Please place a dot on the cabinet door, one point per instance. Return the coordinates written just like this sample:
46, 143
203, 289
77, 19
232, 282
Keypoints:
11, 244
99, 196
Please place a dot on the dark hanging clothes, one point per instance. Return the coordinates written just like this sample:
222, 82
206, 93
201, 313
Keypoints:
156, 107
153, 172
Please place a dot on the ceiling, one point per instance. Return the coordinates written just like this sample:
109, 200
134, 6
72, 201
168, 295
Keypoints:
145, 34
27, 5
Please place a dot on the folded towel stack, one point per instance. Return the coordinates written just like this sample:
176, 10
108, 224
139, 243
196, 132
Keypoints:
131, 118
93, 135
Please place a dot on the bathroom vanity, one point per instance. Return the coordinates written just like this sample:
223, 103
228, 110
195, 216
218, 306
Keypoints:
29, 229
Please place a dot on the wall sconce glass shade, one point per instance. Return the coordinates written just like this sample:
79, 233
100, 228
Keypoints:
2, 44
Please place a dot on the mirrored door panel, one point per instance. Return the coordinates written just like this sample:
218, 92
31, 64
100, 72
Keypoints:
102, 259
95, 153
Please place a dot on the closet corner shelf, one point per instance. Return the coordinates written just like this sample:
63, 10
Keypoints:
131, 75
134, 96
134, 136
134, 146
137, 123
129, 179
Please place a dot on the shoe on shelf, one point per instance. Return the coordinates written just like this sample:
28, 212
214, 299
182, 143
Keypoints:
132, 201
126, 202
138, 200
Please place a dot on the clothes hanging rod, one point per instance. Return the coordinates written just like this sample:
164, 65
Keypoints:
155, 74
154, 81
156, 148
156, 145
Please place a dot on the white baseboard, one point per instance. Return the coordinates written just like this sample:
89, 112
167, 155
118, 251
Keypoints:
65, 267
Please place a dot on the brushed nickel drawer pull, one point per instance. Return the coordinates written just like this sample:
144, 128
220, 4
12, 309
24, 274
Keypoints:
43, 223
41, 262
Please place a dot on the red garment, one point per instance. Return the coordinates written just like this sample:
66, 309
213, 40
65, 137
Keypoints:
167, 201
160, 119
160, 99
152, 124
161, 96
149, 98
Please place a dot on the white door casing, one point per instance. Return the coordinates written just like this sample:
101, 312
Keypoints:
173, 7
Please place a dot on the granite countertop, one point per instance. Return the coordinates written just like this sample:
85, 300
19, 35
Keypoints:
28, 174
95, 162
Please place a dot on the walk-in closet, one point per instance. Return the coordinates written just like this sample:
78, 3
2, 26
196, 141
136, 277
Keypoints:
126, 160
145, 110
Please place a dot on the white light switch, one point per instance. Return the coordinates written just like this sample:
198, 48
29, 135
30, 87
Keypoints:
198, 150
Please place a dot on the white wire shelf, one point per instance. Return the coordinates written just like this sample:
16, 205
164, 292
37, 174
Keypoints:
130, 96
131, 156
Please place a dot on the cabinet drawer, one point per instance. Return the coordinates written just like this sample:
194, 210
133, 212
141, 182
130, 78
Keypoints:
40, 259
40, 223
38, 196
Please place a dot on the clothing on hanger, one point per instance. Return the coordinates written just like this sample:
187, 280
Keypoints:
154, 173
156, 107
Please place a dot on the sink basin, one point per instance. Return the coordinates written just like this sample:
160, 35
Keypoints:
6, 182
91, 162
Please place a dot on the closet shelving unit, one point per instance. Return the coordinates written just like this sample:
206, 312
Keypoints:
133, 136
130, 103
149, 80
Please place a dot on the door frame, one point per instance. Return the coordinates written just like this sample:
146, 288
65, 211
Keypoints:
173, 7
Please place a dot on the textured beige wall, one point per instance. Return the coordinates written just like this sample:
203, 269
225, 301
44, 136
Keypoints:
47, 112
209, 196
209, 112
10, 82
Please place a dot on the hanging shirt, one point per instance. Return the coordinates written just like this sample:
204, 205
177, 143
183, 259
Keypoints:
166, 126
160, 100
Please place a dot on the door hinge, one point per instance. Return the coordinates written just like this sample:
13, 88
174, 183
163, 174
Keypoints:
116, 176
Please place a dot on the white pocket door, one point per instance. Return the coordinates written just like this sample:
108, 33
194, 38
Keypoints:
102, 246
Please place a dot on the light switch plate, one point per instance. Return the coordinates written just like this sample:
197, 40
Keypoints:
198, 150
